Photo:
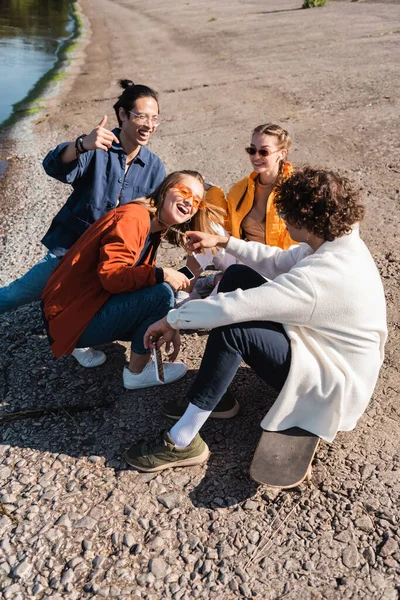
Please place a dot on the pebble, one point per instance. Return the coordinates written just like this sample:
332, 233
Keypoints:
22, 570
350, 557
86, 523
158, 567
63, 521
67, 577
5, 472
170, 500
389, 547
128, 540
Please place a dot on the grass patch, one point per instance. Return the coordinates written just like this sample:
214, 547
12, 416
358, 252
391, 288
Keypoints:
30, 105
313, 3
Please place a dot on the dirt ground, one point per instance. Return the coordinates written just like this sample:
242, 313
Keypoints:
83, 526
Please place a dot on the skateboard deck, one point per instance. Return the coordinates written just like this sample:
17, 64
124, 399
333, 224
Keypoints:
283, 458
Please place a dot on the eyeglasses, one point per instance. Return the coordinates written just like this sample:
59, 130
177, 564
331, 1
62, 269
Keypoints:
262, 152
187, 194
142, 118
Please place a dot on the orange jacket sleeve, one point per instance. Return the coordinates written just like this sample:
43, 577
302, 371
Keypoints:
120, 249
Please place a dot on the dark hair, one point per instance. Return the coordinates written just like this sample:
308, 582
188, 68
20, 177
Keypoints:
282, 139
323, 202
201, 221
130, 94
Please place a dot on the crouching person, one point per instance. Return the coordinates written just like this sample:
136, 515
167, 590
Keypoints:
311, 322
107, 286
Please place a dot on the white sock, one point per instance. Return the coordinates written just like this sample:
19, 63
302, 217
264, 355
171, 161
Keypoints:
189, 425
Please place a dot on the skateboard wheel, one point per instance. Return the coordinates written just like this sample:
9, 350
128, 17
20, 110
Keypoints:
309, 473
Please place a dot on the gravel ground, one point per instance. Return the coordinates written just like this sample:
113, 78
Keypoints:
74, 522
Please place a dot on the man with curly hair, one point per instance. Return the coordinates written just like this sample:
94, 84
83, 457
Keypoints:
311, 322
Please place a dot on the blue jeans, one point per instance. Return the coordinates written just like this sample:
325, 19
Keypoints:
30, 286
127, 316
263, 345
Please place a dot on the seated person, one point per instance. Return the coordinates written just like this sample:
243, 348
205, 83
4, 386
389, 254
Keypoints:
107, 288
250, 205
311, 321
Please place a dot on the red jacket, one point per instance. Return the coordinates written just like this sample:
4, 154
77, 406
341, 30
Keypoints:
99, 264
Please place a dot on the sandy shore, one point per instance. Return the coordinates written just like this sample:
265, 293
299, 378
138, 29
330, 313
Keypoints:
327, 75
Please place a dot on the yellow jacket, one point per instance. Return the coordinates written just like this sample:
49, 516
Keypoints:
239, 202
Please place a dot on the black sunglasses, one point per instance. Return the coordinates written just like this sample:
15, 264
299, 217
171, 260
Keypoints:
262, 152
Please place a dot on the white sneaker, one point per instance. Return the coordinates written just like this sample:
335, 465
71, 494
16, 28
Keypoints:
87, 357
147, 378
181, 298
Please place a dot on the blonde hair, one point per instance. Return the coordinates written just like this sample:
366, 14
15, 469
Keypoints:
201, 221
283, 140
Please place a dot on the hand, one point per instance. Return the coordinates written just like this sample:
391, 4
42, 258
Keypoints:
161, 333
177, 280
197, 241
100, 137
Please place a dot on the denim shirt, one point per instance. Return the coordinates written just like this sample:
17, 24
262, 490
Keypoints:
98, 179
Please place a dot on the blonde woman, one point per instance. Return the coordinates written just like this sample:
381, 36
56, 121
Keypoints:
250, 203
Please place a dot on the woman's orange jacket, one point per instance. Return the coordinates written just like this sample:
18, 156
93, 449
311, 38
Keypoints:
239, 202
99, 264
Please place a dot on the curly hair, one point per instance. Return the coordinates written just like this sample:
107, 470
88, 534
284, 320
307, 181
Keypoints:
321, 201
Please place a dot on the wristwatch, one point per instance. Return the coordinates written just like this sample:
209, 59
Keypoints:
79, 145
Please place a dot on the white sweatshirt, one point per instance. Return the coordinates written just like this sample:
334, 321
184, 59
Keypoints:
332, 306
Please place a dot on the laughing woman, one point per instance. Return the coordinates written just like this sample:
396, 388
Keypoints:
108, 288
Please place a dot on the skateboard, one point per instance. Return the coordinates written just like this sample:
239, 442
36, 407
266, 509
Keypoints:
283, 458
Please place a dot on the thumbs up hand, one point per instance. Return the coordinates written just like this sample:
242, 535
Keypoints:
100, 137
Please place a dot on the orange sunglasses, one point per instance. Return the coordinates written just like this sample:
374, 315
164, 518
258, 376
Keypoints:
187, 193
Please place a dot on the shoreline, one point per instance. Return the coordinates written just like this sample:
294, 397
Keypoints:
30, 104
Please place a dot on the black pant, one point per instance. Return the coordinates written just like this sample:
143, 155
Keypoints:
263, 345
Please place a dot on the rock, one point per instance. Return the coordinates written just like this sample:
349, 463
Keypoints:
242, 574
98, 561
344, 536
389, 547
86, 523
369, 555
5, 472
253, 537
350, 557
364, 523
128, 540
250, 505
67, 577
245, 590
170, 500
22, 570
158, 567
63, 521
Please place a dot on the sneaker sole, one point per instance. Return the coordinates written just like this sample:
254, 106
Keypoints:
155, 384
92, 366
189, 462
228, 414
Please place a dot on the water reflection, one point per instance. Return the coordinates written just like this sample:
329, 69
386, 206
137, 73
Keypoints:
30, 34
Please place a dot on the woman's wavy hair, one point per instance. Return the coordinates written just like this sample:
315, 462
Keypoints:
283, 140
322, 201
131, 93
201, 221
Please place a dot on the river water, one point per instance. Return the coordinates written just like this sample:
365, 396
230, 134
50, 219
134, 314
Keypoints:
32, 32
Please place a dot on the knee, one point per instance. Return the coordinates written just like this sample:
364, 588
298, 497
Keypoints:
234, 277
166, 294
